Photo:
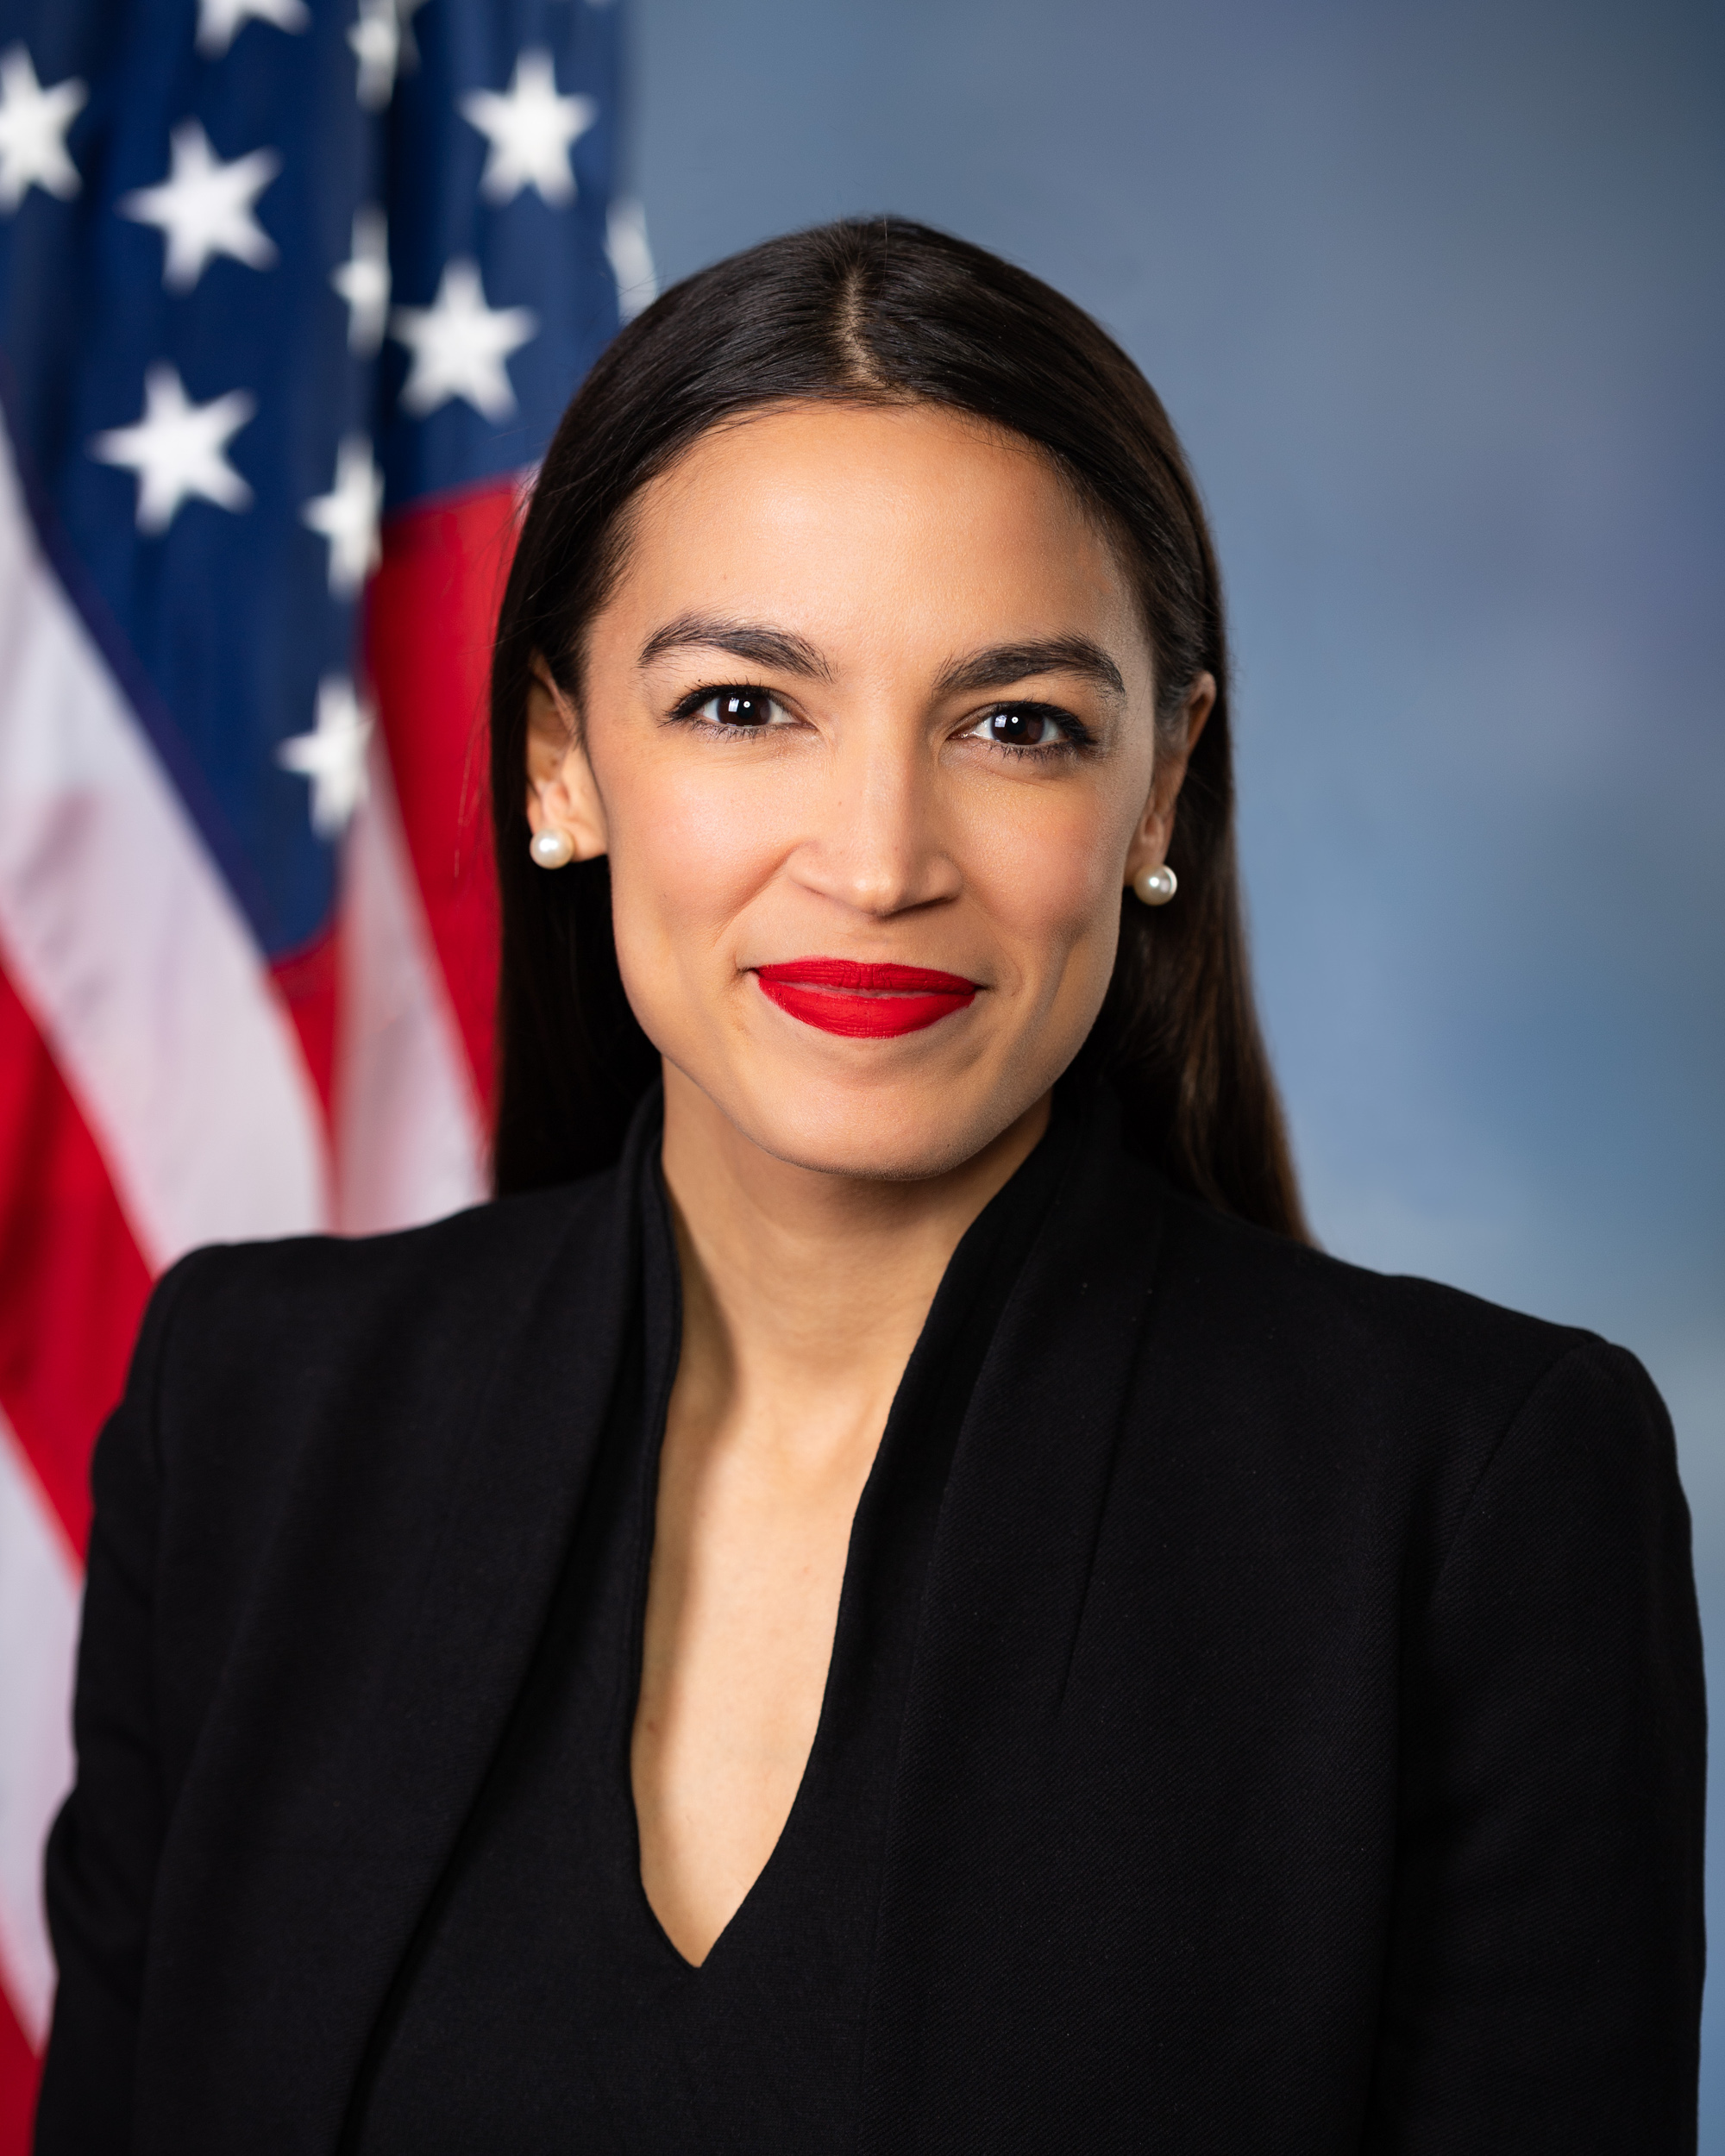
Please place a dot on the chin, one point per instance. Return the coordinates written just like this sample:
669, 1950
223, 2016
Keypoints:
887, 1129
885, 1148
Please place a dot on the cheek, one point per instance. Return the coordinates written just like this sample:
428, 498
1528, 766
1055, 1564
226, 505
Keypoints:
687, 852
1050, 878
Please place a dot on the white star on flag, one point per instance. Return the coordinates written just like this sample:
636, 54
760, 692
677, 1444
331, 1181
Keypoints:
220, 21
376, 39
332, 756
205, 207
363, 282
529, 128
459, 345
348, 516
32, 125
178, 449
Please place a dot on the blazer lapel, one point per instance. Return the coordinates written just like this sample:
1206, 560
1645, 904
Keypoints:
1007, 1583
281, 1945
1023, 1502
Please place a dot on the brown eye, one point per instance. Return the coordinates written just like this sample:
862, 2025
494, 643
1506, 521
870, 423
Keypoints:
1019, 727
750, 708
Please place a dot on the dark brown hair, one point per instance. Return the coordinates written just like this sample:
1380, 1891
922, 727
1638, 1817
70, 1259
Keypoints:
882, 311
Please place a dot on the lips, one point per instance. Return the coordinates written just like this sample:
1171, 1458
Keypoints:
842, 995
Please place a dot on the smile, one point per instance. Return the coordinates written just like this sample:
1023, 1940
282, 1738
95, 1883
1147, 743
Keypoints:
841, 995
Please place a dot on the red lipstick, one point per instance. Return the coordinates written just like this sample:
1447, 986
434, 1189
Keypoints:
841, 995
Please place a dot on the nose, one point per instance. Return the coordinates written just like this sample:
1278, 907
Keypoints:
875, 844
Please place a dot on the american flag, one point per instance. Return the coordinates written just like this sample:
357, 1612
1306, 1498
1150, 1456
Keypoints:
291, 294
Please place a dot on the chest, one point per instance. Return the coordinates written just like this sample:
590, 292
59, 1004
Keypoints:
748, 1550
555, 1993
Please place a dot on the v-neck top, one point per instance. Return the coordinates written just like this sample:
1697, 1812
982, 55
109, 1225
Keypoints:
541, 2007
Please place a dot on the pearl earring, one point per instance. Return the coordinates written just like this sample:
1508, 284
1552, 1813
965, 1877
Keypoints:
1155, 887
552, 849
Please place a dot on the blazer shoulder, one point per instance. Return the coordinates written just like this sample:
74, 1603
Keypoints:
514, 1232
385, 1332
314, 1285
1297, 1301
1396, 1396
338, 1378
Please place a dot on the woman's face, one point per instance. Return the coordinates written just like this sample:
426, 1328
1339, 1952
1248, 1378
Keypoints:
870, 693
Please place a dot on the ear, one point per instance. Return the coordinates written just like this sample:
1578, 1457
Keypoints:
1149, 848
560, 793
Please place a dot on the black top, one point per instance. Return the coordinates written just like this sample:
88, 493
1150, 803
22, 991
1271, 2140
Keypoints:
1302, 1748
542, 2008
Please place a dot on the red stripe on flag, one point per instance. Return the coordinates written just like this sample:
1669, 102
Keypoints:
307, 981
72, 1285
430, 615
20, 2071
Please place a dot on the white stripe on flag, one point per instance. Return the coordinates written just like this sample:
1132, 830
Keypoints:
39, 1605
121, 936
409, 1140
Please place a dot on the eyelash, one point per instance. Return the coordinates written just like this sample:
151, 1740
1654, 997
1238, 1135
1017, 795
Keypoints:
686, 711
1078, 738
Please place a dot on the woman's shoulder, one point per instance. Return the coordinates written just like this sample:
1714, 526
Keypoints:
253, 1355
1339, 1409
1294, 1299
335, 1287
343, 1382
1392, 1368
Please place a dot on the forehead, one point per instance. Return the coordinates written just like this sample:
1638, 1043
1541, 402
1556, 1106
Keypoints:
863, 526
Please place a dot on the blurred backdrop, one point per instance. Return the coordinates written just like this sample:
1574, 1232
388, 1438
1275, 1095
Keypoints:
1433, 295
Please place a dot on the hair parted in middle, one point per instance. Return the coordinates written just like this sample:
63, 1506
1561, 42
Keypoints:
882, 311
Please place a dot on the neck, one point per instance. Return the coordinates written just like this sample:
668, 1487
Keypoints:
804, 1292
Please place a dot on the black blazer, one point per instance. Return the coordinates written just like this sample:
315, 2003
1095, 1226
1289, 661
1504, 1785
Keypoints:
1303, 1752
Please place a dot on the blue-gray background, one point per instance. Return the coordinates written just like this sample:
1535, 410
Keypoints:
1432, 293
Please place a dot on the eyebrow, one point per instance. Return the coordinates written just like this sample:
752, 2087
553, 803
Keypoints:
766, 647
999, 667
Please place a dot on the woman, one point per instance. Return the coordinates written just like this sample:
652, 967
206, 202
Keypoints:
882, 1596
